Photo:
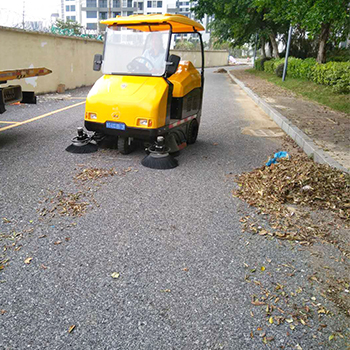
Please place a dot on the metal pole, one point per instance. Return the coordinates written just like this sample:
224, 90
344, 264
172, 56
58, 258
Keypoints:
23, 15
287, 53
256, 43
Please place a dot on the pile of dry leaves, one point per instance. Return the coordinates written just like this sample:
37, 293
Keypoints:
288, 189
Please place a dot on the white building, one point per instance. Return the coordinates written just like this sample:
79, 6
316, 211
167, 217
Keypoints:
89, 13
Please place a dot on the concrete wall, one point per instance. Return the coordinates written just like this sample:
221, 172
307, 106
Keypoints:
211, 58
70, 59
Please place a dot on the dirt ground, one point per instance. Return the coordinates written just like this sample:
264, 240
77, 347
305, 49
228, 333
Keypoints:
328, 128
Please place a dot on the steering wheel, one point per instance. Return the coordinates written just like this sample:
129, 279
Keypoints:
136, 66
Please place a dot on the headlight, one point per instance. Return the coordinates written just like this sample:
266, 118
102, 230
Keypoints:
144, 122
92, 116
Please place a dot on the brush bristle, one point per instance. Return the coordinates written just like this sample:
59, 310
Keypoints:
88, 148
167, 162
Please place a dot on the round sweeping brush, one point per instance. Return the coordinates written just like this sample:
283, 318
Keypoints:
87, 148
155, 161
159, 157
81, 143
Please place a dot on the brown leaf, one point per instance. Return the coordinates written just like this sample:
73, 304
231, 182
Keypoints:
28, 260
71, 328
57, 242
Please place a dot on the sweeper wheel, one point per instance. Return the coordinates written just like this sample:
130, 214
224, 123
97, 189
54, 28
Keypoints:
192, 132
124, 147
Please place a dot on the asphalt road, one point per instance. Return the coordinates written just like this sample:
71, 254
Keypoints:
173, 236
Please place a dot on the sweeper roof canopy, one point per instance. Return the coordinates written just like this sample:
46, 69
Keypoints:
155, 23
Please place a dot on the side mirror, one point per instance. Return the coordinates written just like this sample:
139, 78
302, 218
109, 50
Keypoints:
172, 65
97, 62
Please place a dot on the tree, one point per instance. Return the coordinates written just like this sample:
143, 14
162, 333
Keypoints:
325, 20
71, 27
238, 21
321, 20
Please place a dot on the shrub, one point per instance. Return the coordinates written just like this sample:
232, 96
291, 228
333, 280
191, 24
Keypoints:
268, 66
279, 70
298, 68
263, 60
259, 63
335, 74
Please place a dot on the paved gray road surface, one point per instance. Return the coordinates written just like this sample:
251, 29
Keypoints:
173, 236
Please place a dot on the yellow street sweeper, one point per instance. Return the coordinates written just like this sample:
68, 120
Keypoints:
145, 92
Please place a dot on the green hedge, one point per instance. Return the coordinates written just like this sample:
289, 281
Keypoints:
271, 66
298, 68
260, 62
335, 74
257, 64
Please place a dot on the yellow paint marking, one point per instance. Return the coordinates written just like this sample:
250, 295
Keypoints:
6, 122
40, 116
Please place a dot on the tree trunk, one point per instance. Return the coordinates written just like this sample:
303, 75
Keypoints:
274, 45
269, 49
321, 54
263, 51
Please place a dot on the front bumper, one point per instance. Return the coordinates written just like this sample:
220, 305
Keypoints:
138, 133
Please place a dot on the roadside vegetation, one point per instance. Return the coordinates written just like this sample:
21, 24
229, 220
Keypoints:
319, 93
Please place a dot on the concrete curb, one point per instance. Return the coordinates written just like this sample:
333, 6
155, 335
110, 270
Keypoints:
304, 141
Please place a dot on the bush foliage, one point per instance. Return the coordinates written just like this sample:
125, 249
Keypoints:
335, 74
259, 63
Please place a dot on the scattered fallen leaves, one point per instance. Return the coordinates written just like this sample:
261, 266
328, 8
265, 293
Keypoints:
220, 70
94, 173
71, 328
28, 260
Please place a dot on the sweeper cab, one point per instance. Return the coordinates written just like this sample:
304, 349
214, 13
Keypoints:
145, 94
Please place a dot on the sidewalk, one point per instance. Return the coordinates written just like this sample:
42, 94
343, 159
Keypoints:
329, 129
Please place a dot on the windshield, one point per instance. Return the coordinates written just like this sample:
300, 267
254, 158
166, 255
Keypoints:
131, 51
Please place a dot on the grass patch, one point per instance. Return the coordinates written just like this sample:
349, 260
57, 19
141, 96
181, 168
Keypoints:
319, 93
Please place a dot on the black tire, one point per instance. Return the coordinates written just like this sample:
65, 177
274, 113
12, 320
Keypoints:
192, 132
123, 145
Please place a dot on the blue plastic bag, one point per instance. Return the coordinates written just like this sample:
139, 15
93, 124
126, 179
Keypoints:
277, 156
